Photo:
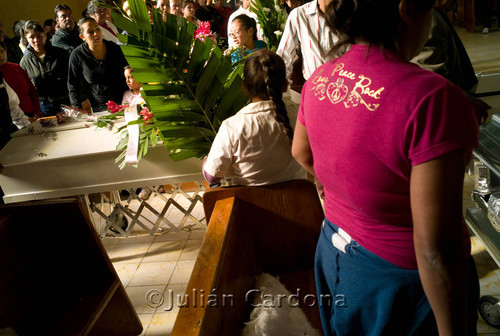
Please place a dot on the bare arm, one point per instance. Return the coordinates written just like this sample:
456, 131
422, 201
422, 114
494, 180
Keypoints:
436, 204
301, 150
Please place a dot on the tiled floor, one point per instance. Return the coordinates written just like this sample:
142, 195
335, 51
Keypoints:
152, 267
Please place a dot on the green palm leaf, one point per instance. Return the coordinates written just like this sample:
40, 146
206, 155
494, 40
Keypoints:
188, 85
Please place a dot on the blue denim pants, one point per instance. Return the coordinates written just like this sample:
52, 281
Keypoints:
371, 296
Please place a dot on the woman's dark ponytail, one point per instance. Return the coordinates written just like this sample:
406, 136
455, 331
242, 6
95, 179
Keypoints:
275, 84
265, 78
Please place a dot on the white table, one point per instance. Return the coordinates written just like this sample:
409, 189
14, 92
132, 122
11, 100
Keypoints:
79, 159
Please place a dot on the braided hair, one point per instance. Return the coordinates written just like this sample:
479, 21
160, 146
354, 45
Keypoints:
265, 78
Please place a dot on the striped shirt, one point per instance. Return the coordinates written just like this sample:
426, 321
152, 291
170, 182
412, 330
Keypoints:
307, 28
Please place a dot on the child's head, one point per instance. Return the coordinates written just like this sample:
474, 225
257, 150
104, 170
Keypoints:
265, 78
129, 77
264, 74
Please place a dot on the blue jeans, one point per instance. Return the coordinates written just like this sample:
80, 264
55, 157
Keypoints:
371, 296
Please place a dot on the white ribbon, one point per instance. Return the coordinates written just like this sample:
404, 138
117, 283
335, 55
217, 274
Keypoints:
133, 135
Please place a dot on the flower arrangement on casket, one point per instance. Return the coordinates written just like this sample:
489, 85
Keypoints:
187, 84
272, 19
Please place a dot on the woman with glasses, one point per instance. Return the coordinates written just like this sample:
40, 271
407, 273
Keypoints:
244, 36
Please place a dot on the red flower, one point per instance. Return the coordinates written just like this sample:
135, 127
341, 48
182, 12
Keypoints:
203, 31
146, 115
114, 107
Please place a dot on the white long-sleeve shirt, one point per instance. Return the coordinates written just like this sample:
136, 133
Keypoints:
18, 117
306, 28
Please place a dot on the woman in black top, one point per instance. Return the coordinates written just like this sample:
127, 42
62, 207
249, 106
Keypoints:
96, 68
47, 67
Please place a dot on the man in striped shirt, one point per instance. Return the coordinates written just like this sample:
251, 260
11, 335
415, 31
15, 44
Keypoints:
306, 28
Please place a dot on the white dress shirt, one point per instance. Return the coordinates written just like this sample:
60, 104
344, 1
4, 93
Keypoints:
18, 117
307, 28
252, 145
107, 35
239, 11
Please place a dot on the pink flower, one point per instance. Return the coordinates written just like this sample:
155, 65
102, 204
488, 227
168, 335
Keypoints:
114, 107
146, 115
203, 31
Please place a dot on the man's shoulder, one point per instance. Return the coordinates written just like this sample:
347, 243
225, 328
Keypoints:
60, 34
309, 8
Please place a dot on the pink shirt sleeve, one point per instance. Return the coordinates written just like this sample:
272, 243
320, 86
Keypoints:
444, 121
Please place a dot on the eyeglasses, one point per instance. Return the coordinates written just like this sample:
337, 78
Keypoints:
235, 34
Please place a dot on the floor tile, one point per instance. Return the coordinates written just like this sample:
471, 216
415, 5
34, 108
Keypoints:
490, 283
173, 298
182, 271
173, 235
197, 234
145, 321
153, 273
161, 324
144, 237
164, 250
485, 328
191, 249
129, 252
126, 271
146, 299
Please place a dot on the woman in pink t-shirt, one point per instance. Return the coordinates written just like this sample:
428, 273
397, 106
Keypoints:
389, 142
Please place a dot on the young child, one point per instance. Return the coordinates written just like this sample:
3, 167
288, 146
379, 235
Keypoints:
132, 96
255, 144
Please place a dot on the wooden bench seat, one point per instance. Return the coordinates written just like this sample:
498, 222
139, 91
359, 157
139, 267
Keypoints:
251, 230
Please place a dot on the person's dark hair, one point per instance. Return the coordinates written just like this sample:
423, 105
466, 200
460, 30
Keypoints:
92, 7
48, 22
3, 45
374, 21
61, 7
84, 20
187, 2
18, 28
248, 22
265, 78
33, 26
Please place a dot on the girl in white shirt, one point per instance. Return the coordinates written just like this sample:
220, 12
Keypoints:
254, 145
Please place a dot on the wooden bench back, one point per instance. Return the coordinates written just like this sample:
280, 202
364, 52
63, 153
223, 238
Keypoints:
56, 277
251, 230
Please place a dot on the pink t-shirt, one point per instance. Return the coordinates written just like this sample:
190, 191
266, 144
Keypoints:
369, 118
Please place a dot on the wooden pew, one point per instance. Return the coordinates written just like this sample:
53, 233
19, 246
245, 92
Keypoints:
55, 276
251, 230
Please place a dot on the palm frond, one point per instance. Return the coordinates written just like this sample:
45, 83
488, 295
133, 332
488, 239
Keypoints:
188, 85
